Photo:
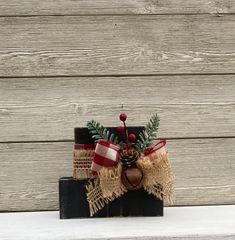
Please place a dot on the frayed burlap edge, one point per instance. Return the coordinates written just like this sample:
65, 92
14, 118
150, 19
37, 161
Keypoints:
94, 196
110, 182
158, 176
105, 188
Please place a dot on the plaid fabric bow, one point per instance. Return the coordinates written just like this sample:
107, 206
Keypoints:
106, 155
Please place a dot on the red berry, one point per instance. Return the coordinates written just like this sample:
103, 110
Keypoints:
123, 117
120, 130
132, 137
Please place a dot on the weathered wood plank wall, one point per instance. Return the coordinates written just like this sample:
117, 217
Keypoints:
116, 45
64, 62
91, 7
49, 108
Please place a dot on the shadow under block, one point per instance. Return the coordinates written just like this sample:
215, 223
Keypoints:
73, 202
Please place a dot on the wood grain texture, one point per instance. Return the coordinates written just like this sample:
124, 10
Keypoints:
64, 7
47, 109
116, 45
29, 173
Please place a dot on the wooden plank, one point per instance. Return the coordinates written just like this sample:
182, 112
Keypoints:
116, 45
29, 175
65, 7
47, 109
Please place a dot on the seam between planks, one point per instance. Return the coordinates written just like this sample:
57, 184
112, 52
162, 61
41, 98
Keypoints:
119, 75
72, 140
217, 14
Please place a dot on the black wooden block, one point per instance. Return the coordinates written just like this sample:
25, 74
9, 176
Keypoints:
82, 135
72, 192
140, 203
136, 203
114, 208
73, 202
72, 199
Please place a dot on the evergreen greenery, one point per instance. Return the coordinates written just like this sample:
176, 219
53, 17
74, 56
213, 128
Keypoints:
100, 132
147, 136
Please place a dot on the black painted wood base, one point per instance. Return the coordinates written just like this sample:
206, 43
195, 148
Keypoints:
73, 203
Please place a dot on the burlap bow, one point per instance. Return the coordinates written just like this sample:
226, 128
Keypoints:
158, 177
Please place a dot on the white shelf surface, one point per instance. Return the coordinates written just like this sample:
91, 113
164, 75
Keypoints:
201, 222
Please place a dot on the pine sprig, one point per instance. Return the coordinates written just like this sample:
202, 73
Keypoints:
147, 136
100, 132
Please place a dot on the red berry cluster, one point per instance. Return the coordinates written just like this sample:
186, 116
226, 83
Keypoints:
123, 130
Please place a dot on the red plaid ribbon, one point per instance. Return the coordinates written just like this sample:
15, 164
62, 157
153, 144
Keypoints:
106, 155
155, 147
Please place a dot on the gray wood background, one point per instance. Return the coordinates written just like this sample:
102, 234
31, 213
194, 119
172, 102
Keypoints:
64, 62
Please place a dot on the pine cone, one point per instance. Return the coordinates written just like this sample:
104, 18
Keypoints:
129, 157
131, 175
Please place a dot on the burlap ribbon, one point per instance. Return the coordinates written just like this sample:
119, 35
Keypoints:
158, 179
